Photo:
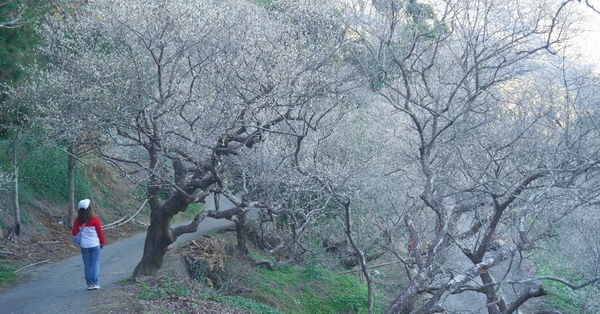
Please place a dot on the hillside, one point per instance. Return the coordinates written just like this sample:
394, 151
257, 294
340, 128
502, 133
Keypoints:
233, 286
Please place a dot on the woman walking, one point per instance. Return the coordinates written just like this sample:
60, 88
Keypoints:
92, 240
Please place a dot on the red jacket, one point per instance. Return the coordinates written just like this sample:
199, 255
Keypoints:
92, 234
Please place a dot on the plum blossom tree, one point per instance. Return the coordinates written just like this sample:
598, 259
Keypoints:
185, 86
475, 147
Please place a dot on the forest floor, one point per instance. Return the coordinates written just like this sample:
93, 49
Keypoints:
147, 295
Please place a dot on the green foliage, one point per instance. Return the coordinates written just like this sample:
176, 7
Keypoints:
7, 273
44, 175
15, 43
422, 27
17, 40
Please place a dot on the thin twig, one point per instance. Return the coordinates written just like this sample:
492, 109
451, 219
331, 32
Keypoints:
370, 267
568, 283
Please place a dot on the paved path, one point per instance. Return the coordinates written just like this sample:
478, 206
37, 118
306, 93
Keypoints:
60, 287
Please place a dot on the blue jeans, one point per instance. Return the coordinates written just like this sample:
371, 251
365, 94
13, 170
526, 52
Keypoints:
91, 264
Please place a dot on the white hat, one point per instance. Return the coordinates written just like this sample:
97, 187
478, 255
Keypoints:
84, 204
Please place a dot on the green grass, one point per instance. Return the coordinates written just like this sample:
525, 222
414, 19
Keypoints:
288, 289
166, 289
44, 175
191, 211
7, 273
560, 297
309, 289
171, 288
246, 304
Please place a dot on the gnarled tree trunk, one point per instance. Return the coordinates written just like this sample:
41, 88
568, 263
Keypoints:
158, 239
160, 235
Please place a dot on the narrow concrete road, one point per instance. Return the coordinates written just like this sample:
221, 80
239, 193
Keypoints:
60, 287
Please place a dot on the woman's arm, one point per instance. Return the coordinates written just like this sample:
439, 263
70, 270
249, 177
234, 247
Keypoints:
98, 226
76, 225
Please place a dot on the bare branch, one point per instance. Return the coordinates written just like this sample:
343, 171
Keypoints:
455, 283
189, 228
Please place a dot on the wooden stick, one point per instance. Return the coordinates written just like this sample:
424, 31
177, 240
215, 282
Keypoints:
31, 265
10, 253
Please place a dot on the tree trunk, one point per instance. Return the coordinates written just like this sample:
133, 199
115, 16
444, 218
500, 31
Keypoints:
406, 299
70, 216
495, 302
435, 303
159, 235
158, 239
360, 254
17, 229
240, 221
241, 234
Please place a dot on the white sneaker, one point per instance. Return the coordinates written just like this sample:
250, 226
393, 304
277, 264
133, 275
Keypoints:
90, 287
95, 287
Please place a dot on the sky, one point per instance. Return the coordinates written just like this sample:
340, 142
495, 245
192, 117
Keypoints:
588, 43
